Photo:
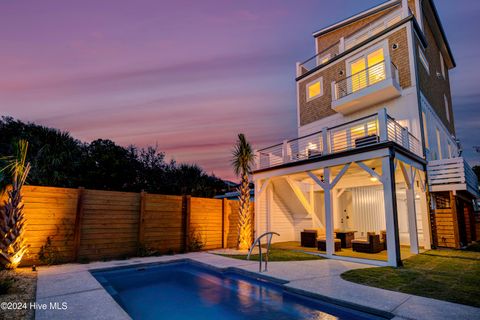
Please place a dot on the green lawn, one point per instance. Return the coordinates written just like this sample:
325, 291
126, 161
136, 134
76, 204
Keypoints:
278, 255
450, 275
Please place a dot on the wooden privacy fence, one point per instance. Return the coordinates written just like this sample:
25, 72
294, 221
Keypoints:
82, 225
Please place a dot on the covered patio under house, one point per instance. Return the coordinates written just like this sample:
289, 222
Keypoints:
358, 190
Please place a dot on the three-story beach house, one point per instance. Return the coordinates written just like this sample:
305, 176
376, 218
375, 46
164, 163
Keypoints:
375, 173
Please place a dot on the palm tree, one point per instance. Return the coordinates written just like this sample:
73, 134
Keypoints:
242, 162
12, 220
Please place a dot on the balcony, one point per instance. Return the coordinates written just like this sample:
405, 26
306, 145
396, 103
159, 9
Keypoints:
452, 174
360, 133
373, 85
319, 59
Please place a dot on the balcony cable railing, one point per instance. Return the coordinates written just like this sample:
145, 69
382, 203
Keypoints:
320, 58
362, 132
364, 79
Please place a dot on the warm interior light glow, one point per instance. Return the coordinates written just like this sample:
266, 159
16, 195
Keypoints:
314, 90
373, 179
378, 72
312, 146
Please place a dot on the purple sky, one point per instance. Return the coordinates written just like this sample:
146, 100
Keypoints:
188, 75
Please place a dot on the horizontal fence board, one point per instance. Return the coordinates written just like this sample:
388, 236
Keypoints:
110, 222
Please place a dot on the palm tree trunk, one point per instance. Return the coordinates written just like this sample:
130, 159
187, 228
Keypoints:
244, 215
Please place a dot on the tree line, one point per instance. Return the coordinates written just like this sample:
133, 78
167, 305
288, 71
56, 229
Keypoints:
59, 160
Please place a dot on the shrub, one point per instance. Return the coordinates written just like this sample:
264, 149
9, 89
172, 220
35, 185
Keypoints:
49, 254
196, 241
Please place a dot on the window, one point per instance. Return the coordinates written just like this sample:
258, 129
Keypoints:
423, 59
371, 30
314, 89
425, 131
442, 66
450, 155
360, 77
447, 109
439, 145
442, 200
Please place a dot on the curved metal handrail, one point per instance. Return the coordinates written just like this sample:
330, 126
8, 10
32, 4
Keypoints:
270, 234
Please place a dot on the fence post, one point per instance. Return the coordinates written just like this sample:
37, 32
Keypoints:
141, 219
225, 223
78, 223
186, 208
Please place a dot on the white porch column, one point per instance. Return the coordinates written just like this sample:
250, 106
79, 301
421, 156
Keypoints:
382, 124
426, 223
256, 206
328, 213
269, 196
391, 217
412, 219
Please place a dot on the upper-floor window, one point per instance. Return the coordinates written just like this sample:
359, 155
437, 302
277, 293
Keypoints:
439, 144
447, 109
442, 66
367, 70
425, 129
423, 59
315, 89
372, 29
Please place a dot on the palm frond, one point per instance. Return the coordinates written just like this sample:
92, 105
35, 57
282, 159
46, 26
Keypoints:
243, 156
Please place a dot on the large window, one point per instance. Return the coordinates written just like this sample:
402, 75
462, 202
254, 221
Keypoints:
423, 59
425, 130
442, 66
315, 89
367, 70
439, 144
372, 29
447, 111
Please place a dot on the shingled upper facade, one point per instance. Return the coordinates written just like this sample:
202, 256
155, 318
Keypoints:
376, 133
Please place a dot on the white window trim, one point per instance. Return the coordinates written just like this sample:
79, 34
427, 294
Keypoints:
434, 121
321, 89
350, 41
447, 109
442, 66
423, 59
364, 53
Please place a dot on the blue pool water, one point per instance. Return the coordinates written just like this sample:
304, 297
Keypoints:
184, 290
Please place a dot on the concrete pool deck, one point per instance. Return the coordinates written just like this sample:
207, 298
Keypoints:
86, 299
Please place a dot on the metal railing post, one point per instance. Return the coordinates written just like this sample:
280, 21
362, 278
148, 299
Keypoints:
383, 124
325, 141
285, 151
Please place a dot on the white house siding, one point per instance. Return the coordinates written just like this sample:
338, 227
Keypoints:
433, 124
261, 213
282, 220
368, 210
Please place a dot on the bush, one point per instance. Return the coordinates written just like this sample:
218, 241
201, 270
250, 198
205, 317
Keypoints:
196, 241
49, 254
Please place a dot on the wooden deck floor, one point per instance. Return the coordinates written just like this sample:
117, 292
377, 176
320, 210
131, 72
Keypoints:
345, 252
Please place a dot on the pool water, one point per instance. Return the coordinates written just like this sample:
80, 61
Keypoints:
185, 290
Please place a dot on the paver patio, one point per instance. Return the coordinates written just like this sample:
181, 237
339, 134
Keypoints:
86, 298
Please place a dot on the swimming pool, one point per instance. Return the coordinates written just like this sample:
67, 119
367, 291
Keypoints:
187, 290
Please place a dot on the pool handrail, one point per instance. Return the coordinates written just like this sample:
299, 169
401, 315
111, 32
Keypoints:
258, 240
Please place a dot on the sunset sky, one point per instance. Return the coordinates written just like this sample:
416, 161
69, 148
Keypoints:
188, 75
